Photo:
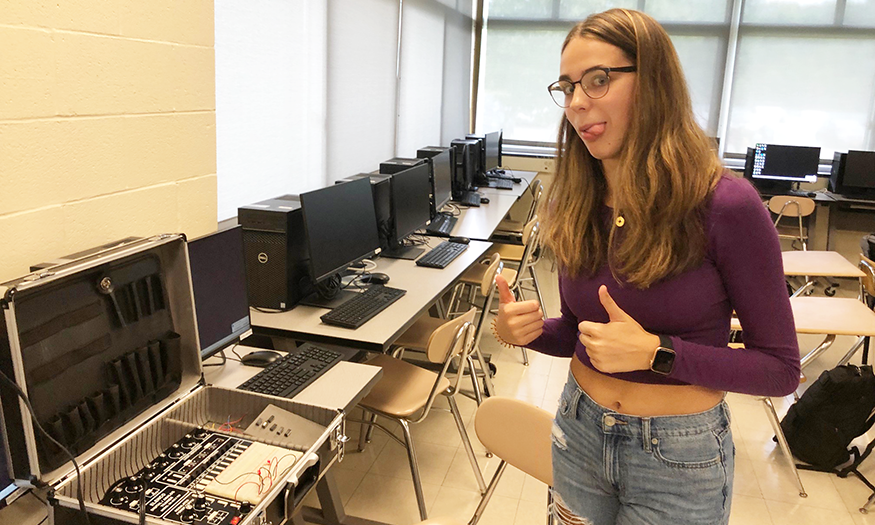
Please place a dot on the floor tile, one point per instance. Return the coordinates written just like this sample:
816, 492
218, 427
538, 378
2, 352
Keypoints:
798, 514
389, 500
749, 511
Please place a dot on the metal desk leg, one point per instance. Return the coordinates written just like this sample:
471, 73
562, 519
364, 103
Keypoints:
821, 348
782, 442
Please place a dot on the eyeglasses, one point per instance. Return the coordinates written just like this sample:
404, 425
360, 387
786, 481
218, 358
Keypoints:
595, 83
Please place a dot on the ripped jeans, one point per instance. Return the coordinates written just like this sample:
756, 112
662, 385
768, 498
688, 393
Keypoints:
610, 468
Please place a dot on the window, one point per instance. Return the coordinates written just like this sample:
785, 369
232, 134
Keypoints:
803, 71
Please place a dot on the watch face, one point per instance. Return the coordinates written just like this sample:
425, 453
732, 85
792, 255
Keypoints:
663, 361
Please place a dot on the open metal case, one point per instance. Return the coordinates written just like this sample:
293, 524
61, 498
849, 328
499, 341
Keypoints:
106, 349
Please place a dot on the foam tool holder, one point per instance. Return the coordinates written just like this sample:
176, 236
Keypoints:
105, 348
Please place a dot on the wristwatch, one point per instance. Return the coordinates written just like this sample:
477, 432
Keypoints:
663, 357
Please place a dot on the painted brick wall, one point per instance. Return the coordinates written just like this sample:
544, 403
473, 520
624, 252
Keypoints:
107, 124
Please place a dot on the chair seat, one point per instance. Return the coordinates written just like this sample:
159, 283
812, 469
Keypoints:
508, 252
416, 337
474, 275
403, 389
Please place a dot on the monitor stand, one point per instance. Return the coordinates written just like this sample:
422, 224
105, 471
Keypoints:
314, 299
403, 252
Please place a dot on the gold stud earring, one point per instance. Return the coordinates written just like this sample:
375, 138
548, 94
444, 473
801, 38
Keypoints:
620, 221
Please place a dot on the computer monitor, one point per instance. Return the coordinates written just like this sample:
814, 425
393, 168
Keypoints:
492, 151
411, 209
218, 279
773, 167
340, 226
442, 171
859, 170
6, 486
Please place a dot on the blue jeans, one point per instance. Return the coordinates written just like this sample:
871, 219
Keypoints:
611, 468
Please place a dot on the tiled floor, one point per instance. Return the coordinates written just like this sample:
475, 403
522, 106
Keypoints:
376, 484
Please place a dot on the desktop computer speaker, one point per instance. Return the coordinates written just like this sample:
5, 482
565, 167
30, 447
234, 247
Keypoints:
275, 252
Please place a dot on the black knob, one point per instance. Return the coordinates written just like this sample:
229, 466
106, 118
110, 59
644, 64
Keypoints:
245, 508
200, 502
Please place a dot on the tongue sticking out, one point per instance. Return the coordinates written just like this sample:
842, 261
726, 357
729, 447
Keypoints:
594, 131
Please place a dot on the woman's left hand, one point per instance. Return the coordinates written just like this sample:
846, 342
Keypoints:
621, 344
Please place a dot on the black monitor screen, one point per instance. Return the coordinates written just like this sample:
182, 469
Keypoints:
218, 278
492, 158
442, 164
791, 163
859, 169
340, 225
411, 208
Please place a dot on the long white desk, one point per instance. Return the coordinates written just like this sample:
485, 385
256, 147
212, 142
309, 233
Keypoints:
424, 286
480, 222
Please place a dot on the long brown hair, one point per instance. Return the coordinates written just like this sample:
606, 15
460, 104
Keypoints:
668, 168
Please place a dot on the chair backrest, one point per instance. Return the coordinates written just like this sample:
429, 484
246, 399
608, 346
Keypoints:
530, 242
537, 190
487, 290
791, 206
446, 340
867, 265
518, 433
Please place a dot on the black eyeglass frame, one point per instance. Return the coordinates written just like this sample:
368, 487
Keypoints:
607, 70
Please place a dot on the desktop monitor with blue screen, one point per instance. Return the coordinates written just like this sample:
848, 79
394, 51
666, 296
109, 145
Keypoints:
411, 209
340, 227
776, 168
218, 278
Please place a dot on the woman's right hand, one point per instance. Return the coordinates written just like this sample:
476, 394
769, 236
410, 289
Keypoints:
518, 323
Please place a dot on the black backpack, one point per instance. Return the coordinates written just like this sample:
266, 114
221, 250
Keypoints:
834, 410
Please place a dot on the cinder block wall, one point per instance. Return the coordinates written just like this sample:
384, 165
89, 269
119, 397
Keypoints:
107, 124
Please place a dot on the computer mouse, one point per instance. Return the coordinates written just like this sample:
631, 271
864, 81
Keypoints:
811, 194
484, 200
374, 278
260, 358
460, 240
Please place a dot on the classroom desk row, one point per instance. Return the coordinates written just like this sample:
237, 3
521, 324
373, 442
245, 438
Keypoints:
424, 286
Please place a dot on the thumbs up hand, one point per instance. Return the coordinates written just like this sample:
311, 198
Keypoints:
518, 323
621, 344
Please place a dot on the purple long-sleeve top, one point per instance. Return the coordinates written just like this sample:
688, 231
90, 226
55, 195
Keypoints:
742, 271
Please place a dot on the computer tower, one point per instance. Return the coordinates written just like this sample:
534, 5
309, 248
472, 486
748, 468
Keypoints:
428, 153
275, 252
380, 186
480, 153
466, 164
837, 171
397, 164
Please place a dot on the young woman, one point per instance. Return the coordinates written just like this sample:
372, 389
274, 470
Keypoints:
657, 246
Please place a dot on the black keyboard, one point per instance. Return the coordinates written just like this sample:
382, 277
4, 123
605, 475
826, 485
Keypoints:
442, 255
442, 225
289, 374
358, 310
469, 198
500, 183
